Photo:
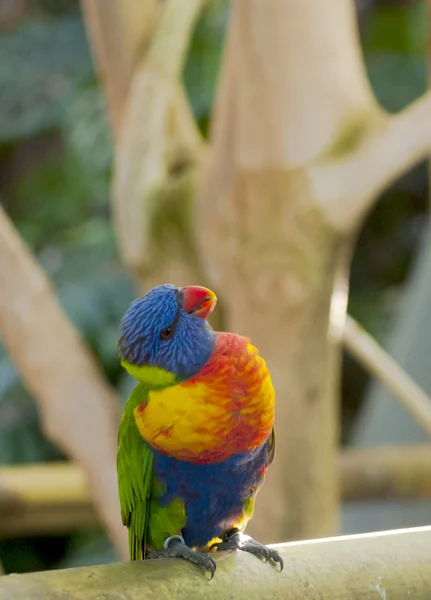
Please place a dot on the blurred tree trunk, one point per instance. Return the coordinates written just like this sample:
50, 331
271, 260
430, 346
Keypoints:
300, 152
278, 260
288, 183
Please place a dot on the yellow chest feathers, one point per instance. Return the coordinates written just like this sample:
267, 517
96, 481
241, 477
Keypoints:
226, 409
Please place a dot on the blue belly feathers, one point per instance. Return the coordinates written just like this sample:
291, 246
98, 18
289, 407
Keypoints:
213, 494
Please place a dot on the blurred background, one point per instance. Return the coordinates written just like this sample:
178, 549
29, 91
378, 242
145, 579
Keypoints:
55, 168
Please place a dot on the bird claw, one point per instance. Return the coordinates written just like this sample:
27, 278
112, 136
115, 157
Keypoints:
175, 547
236, 540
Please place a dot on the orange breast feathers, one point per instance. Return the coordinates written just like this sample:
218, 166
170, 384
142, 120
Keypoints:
226, 409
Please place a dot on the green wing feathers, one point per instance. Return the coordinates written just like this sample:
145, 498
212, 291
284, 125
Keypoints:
135, 472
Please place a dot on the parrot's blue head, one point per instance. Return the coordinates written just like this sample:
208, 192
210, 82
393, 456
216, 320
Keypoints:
168, 329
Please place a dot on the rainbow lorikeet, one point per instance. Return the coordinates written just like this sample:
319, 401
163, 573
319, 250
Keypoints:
196, 435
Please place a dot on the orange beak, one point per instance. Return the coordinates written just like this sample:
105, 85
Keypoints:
198, 301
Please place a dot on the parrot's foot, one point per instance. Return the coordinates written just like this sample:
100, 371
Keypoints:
175, 547
236, 540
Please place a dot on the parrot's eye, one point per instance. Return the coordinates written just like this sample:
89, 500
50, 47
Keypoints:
166, 333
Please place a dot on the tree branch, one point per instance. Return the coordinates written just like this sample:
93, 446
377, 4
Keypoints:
367, 351
141, 67
388, 147
158, 134
119, 33
392, 565
79, 410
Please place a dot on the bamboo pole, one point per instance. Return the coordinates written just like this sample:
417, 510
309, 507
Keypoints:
374, 359
386, 472
55, 498
391, 565
40, 499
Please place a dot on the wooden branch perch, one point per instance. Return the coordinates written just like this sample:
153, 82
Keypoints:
368, 352
392, 565
79, 410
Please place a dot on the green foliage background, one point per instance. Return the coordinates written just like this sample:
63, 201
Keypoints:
55, 167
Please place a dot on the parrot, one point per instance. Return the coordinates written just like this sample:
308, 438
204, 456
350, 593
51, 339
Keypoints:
197, 432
